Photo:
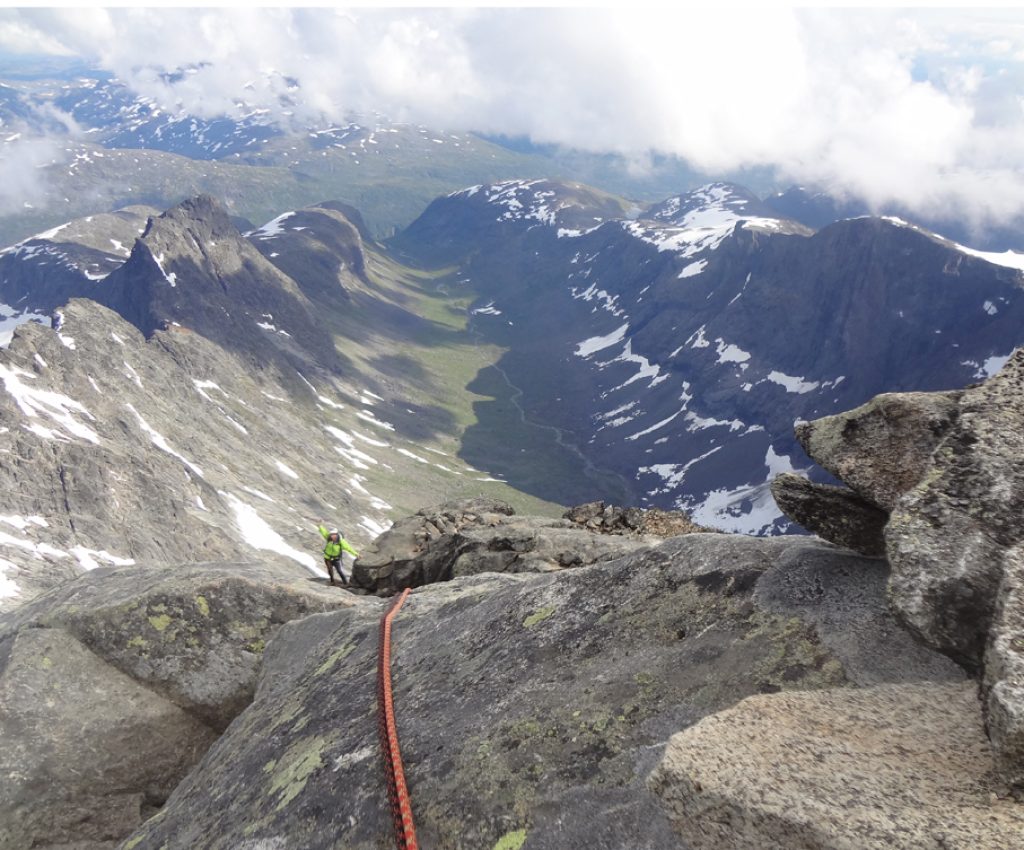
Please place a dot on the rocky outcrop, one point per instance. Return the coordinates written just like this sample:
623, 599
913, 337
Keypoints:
949, 468
895, 767
532, 707
611, 519
947, 537
883, 448
114, 686
1003, 684
473, 536
835, 514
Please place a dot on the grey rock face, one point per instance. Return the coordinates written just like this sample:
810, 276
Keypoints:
112, 687
947, 536
950, 466
161, 451
1003, 685
531, 707
835, 514
88, 753
474, 536
895, 767
883, 448
193, 268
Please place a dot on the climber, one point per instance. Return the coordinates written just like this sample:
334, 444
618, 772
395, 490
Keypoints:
334, 543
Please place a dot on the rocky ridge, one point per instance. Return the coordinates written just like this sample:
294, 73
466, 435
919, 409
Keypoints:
532, 707
484, 536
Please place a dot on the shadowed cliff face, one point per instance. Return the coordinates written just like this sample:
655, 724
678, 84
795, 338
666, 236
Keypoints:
193, 268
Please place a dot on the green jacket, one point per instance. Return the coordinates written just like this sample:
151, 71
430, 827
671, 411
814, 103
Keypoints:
333, 550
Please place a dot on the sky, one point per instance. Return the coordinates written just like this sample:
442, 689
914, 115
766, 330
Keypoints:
924, 108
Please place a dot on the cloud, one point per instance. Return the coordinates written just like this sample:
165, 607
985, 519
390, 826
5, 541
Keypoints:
916, 107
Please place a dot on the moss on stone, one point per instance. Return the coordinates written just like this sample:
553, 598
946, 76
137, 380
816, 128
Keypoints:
160, 621
138, 642
336, 656
538, 616
511, 840
203, 605
296, 766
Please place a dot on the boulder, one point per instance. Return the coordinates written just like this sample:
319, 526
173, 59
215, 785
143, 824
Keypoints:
113, 686
88, 753
893, 767
883, 448
1003, 684
835, 514
532, 706
194, 633
947, 536
480, 535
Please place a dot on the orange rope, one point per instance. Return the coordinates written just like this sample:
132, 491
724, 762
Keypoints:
398, 793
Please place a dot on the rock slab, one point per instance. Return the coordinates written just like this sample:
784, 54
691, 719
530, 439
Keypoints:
894, 767
835, 514
947, 536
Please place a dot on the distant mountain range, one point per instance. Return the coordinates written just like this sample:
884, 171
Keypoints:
116, 148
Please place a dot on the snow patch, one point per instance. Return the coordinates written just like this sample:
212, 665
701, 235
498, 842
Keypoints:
257, 533
693, 269
274, 227
161, 443
749, 509
38, 403
729, 353
11, 319
599, 343
1008, 259
792, 385
369, 417
87, 558
285, 470
991, 366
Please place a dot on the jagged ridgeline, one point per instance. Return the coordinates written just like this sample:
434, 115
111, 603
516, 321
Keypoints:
207, 391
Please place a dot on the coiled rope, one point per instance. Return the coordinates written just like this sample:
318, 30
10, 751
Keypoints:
398, 793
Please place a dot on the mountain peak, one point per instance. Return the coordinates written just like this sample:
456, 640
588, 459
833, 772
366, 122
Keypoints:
202, 213
191, 267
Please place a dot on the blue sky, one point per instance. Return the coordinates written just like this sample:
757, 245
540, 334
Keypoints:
923, 107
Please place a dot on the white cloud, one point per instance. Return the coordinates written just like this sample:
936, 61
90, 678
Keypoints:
915, 106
